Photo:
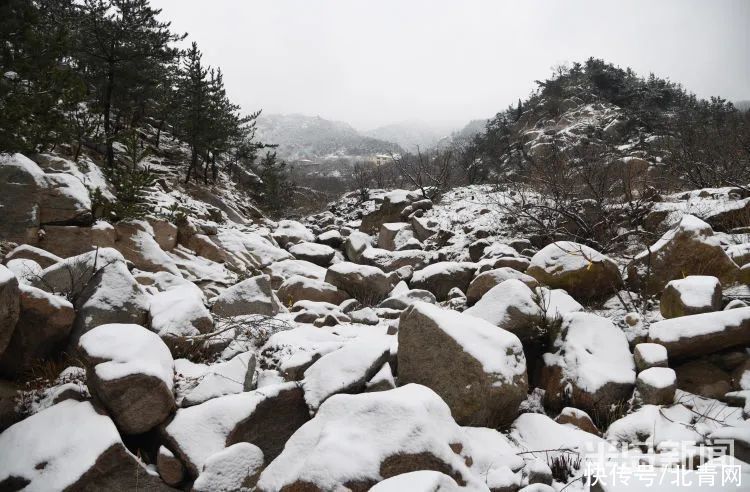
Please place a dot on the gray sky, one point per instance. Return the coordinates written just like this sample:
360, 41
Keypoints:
376, 62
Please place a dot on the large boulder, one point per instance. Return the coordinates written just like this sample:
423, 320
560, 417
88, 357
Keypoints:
394, 235
43, 326
298, 288
690, 248
702, 334
135, 240
251, 296
248, 250
390, 210
390, 261
476, 367
693, 294
223, 378
266, 417
165, 233
177, 312
28, 252
582, 271
9, 306
69, 240
365, 283
290, 232
64, 200
440, 278
591, 367
512, 306
70, 446
656, 386
405, 429
320, 254
356, 244
285, 269
482, 283
131, 372
345, 370
235, 468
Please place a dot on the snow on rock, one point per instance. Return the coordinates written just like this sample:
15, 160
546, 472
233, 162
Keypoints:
702, 334
439, 278
251, 296
556, 302
591, 365
365, 283
494, 458
28, 252
482, 283
235, 468
578, 419
656, 386
135, 240
382, 380
356, 244
648, 355
290, 232
248, 250
390, 261
266, 417
22, 182
293, 351
320, 254
418, 481
513, 306
298, 288
70, 446
131, 371
476, 367
179, 312
25, 270
406, 429
402, 300
224, 378
582, 271
345, 370
285, 269
693, 294
10, 306
690, 248
43, 326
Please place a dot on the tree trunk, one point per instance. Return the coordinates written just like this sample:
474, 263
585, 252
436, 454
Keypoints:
109, 138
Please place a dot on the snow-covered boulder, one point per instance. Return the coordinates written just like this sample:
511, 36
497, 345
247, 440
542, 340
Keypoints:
356, 244
248, 250
25, 270
298, 288
476, 367
320, 313
178, 312
383, 380
22, 182
320, 254
266, 417
131, 371
291, 232
70, 446
513, 306
577, 418
251, 296
224, 378
394, 235
43, 326
28, 252
10, 302
690, 248
482, 283
64, 200
582, 271
390, 261
702, 334
648, 355
418, 481
390, 210
285, 269
656, 386
345, 370
332, 238
291, 352
235, 468
440, 278
693, 294
591, 366
406, 429
402, 300
365, 283
165, 233
135, 240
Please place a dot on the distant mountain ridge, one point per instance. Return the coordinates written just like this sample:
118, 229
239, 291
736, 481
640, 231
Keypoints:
412, 134
313, 138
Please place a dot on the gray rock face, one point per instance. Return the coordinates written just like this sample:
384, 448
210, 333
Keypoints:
299, 288
656, 386
440, 278
251, 296
478, 369
365, 283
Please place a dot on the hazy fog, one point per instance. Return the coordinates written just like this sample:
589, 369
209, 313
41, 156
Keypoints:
376, 62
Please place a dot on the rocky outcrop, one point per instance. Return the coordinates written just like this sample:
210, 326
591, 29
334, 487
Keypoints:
440, 278
9, 306
251, 296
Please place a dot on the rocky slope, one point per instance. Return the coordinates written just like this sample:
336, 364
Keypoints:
395, 344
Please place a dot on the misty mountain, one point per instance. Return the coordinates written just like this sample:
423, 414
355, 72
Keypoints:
411, 134
314, 138
743, 105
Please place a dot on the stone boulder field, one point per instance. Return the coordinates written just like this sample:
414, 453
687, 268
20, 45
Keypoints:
398, 343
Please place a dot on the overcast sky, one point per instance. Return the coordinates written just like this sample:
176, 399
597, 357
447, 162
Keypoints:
376, 62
